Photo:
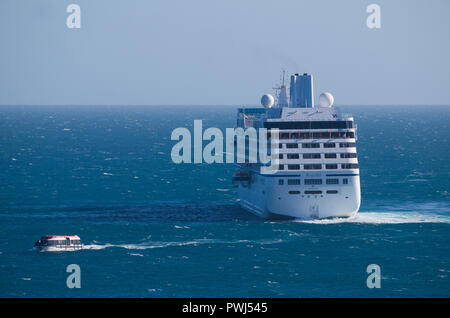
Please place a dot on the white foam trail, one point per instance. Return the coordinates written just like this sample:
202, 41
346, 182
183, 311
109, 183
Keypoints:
145, 246
386, 218
96, 246
362, 217
139, 246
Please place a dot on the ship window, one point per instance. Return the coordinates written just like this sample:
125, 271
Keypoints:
348, 155
280, 181
337, 135
313, 167
347, 145
345, 181
311, 156
293, 167
329, 145
330, 155
321, 135
331, 166
305, 135
332, 181
294, 192
349, 166
292, 156
294, 181
313, 181
284, 135
313, 192
310, 145
309, 124
279, 156
350, 134
332, 191
291, 146
280, 146
280, 167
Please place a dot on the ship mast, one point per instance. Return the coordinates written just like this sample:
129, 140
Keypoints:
282, 100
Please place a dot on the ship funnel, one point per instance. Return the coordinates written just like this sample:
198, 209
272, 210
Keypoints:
301, 91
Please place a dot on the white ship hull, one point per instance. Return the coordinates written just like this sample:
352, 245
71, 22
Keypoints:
266, 198
58, 248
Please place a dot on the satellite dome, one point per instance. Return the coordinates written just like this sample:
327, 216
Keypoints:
326, 100
267, 101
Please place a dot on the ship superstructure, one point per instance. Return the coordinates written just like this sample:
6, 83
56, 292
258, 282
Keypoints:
318, 174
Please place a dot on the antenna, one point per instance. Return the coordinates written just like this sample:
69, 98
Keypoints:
280, 91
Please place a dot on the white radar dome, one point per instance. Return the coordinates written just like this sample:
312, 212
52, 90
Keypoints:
326, 100
267, 100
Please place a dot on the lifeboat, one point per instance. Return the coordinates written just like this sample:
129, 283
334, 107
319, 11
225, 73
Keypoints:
58, 243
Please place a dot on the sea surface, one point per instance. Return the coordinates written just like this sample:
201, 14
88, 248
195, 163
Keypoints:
153, 228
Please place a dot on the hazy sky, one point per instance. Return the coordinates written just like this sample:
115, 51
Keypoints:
222, 52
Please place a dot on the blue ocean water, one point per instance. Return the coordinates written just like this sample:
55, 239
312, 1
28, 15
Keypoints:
153, 228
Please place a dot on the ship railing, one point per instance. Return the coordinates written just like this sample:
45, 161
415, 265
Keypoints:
67, 246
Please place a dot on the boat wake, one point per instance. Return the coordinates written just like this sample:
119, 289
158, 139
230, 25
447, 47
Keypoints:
386, 218
196, 242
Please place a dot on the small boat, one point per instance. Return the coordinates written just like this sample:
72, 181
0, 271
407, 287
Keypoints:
58, 243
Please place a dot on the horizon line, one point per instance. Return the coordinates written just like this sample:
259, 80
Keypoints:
215, 105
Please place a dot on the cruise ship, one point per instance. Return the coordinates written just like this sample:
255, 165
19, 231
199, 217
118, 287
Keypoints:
317, 175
